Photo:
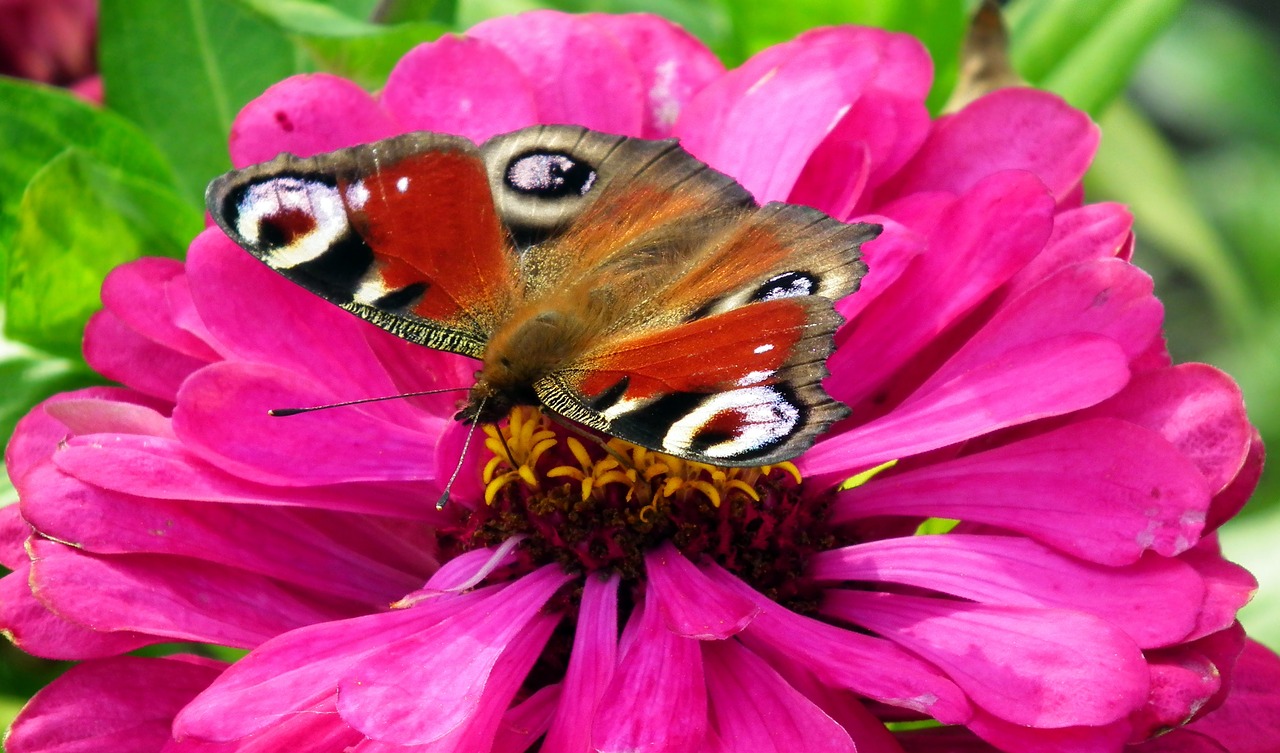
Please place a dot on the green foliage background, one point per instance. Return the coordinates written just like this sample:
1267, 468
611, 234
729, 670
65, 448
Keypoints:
1185, 91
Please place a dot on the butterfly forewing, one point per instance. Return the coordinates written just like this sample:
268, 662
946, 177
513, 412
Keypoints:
403, 233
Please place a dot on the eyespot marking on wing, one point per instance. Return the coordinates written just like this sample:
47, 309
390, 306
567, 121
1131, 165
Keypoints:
787, 285
289, 220
736, 424
549, 175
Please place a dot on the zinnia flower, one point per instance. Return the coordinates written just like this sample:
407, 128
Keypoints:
1011, 395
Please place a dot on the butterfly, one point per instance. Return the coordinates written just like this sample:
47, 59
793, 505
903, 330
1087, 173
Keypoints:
617, 282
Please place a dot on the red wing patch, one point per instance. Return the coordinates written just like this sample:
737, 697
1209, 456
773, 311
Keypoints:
738, 348
429, 220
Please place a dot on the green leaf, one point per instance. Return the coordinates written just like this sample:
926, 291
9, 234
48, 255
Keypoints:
182, 69
1213, 75
1136, 166
939, 24
77, 220
342, 44
38, 123
406, 11
1085, 50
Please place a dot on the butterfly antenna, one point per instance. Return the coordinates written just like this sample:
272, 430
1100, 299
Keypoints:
466, 445
295, 411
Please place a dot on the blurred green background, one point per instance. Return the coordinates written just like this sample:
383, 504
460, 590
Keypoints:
1186, 92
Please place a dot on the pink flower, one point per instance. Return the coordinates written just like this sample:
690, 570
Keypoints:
52, 41
1003, 355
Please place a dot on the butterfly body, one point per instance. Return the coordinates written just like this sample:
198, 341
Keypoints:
617, 282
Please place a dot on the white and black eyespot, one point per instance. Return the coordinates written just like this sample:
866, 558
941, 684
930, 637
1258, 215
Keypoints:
289, 220
787, 285
549, 175
736, 425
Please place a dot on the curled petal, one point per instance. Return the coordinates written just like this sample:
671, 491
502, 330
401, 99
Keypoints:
306, 115
460, 85
1006, 570
754, 709
579, 72
657, 699
1037, 667
122, 704
1104, 490
691, 606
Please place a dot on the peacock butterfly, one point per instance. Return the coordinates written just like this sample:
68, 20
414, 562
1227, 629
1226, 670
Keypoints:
617, 282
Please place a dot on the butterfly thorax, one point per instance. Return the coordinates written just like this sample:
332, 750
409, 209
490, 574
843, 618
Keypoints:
541, 339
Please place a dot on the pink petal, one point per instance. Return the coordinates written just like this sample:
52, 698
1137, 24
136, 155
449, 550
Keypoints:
592, 664
525, 723
1052, 378
159, 469
1095, 231
691, 606
1038, 667
351, 557
1103, 490
117, 352
658, 697
1054, 141
869, 143
298, 669
122, 705
1229, 587
178, 598
1006, 736
784, 102
446, 668
672, 63
1187, 680
978, 242
1197, 408
579, 72
834, 177
459, 85
839, 658
306, 115
1010, 571
92, 415
137, 293
238, 298
1233, 497
1105, 297
887, 258
1249, 721
14, 532
754, 709
38, 433
222, 415
34, 629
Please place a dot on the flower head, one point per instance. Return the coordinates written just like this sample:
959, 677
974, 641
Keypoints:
1009, 388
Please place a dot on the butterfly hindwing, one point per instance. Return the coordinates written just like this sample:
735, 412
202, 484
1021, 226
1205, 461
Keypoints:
737, 388
403, 233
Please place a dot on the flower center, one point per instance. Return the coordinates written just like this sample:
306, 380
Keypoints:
593, 507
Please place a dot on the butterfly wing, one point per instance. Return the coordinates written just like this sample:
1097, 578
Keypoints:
738, 380
402, 232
